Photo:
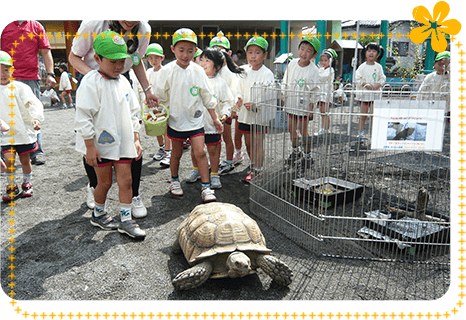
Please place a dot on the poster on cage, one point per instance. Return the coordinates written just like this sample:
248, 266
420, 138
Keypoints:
408, 125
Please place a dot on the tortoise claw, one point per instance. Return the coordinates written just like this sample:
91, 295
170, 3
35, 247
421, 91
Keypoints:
276, 269
193, 277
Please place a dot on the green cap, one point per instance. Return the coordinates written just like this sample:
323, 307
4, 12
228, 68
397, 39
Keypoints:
442, 55
332, 53
155, 49
5, 59
259, 41
184, 34
110, 45
312, 40
220, 40
197, 53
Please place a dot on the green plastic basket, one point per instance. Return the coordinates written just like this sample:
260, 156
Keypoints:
155, 128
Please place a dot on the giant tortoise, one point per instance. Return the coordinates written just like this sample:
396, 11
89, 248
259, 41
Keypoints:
219, 240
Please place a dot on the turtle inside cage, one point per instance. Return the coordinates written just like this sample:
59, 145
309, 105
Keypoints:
327, 192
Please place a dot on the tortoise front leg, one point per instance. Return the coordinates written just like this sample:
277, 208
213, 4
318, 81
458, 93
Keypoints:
193, 277
275, 268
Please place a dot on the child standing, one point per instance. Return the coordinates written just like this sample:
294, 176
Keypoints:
326, 75
155, 57
65, 86
185, 85
107, 127
229, 72
369, 79
253, 117
27, 114
301, 75
436, 85
212, 61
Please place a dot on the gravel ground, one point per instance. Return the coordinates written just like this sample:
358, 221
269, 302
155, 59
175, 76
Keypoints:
60, 256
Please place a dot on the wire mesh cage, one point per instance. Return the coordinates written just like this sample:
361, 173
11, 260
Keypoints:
382, 196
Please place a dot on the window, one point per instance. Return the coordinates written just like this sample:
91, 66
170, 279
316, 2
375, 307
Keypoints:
400, 49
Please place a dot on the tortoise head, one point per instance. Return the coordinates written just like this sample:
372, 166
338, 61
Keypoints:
238, 264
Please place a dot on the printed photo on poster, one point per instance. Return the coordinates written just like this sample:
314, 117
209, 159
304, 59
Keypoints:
415, 125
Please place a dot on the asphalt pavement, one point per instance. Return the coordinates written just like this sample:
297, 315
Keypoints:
59, 255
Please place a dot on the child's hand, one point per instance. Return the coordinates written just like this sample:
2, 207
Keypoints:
223, 118
139, 149
92, 154
36, 124
239, 103
4, 126
218, 126
233, 115
248, 105
4, 168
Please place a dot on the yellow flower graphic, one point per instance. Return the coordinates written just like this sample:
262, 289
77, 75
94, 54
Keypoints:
435, 26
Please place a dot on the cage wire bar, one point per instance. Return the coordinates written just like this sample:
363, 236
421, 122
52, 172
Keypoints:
342, 199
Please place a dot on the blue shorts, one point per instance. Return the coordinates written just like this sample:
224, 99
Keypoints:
248, 128
183, 135
108, 162
211, 139
21, 148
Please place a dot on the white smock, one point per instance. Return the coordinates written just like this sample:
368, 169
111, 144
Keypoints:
263, 109
225, 102
17, 99
299, 87
107, 112
188, 94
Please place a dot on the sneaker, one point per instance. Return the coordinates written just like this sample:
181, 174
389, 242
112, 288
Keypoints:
10, 194
361, 135
237, 158
215, 182
249, 177
322, 132
193, 176
38, 160
294, 156
208, 195
226, 167
166, 159
175, 188
27, 189
105, 222
159, 155
253, 174
131, 228
90, 197
138, 210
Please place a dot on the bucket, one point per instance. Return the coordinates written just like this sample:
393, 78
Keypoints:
155, 128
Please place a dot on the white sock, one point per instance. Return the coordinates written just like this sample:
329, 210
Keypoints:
27, 177
99, 209
10, 178
125, 212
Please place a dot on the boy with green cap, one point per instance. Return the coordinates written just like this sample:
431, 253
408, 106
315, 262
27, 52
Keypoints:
254, 116
300, 79
25, 111
185, 85
107, 131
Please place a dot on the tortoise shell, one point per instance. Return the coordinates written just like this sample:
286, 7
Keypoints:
217, 228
